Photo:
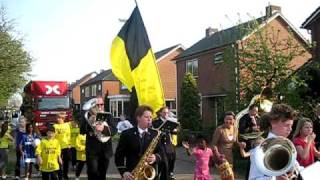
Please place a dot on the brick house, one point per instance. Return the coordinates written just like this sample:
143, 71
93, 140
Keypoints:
312, 23
168, 73
205, 60
74, 90
102, 84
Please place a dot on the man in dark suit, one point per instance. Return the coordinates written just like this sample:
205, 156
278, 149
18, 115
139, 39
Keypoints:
98, 152
133, 143
166, 166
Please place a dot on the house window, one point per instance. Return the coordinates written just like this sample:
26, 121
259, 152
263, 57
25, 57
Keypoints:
118, 107
218, 57
82, 91
87, 92
192, 67
171, 104
94, 90
219, 104
99, 87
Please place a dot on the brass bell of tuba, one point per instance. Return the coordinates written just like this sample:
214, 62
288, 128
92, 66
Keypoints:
260, 100
275, 156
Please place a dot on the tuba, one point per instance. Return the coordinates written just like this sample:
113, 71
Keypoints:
263, 103
276, 156
92, 120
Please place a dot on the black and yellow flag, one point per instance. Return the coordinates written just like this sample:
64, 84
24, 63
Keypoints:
134, 63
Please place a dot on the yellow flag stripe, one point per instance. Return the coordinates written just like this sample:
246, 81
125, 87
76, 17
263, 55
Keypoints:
120, 63
147, 82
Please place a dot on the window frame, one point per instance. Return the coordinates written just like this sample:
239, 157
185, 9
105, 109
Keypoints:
192, 63
218, 57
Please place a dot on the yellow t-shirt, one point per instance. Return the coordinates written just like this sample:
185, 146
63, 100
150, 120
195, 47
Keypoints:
63, 134
74, 133
49, 151
5, 141
81, 147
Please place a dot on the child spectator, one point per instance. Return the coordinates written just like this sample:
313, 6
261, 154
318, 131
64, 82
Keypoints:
202, 154
5, 141
27, 149
81, 153
304, 142
75, 130
48, 155
254, 144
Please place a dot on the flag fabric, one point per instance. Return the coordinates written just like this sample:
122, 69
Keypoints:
134, 63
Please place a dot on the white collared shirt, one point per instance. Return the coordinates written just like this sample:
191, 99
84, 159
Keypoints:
254, 173
141, 131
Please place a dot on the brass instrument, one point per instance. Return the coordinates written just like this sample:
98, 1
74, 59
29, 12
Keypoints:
276, 156
262, 102
89, 105
143, 170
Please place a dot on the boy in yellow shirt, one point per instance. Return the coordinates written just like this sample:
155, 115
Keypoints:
5, 141
75, 131
48, 155
63, 135
81, 153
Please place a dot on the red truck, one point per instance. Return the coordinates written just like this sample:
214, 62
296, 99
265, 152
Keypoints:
43, 100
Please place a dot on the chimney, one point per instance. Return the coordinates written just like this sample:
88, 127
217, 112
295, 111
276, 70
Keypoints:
210, 31
272, 9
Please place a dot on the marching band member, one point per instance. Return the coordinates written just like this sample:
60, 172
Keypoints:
98, 151
280, 121
166, 166
134, 142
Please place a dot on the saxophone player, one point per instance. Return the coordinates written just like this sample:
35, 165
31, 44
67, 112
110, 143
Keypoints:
134, 142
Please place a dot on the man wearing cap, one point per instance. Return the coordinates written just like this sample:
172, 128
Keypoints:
98, 152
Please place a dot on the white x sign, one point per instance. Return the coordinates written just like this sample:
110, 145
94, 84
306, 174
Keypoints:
54, 89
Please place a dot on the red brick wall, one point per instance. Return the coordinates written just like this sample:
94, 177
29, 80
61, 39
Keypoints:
168, 75
113, 87
315, 32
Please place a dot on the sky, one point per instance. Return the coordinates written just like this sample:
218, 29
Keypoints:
70, 38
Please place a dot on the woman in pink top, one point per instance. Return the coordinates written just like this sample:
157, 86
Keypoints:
304, 142
202, 154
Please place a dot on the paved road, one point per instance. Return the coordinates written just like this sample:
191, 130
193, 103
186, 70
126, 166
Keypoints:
184, 168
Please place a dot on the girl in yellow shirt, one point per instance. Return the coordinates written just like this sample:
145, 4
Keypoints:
81, 153
75, 130
48, 155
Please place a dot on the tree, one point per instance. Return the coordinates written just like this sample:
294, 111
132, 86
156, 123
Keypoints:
265, 60
15, 61
189, 114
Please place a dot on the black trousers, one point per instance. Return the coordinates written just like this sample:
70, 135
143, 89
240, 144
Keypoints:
50, 175
79, 168
171, 161
66, 157
18, 157
97, 166
73, 156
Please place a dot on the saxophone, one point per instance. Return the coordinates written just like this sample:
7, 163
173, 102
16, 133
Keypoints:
143, 170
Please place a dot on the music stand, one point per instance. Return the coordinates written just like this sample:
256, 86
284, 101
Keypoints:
169, 126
